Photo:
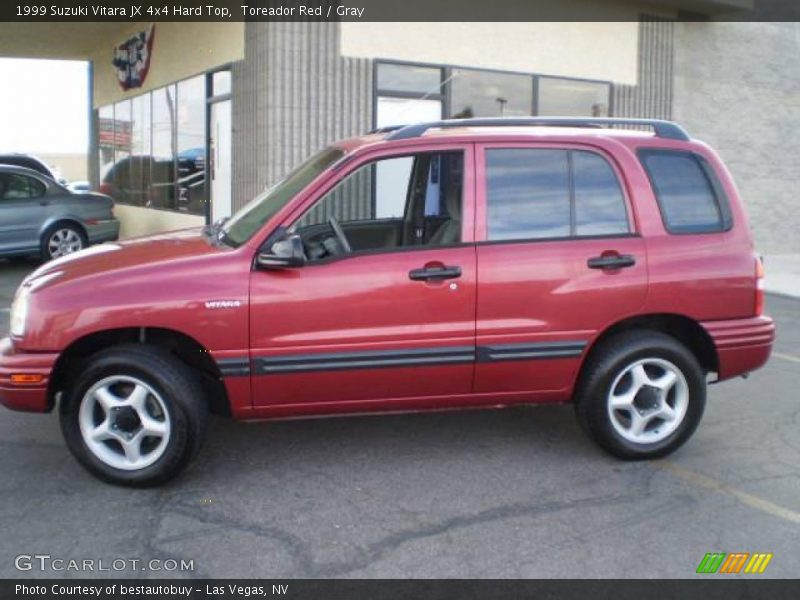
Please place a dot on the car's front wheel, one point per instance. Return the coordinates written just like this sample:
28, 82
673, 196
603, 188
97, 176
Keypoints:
641, 395
134, 416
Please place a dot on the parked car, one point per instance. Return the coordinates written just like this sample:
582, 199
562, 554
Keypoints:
38, 216
454, 264
29, 162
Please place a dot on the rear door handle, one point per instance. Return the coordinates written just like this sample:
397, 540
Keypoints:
611, 261
434, 273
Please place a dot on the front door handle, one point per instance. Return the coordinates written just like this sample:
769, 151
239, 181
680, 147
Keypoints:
611, 261
434, 273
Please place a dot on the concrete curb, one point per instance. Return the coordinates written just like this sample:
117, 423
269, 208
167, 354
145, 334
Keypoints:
782, 275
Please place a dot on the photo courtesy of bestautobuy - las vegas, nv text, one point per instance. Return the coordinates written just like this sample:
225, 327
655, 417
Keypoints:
353, 299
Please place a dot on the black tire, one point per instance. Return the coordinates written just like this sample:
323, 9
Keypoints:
607, 362
178, 388
44, 250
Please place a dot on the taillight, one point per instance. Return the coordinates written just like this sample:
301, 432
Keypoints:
759, 307
106, 188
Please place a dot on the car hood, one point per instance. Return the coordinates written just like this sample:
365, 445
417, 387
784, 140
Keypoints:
162, 249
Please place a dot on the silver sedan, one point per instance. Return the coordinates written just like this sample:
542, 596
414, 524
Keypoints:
39, 216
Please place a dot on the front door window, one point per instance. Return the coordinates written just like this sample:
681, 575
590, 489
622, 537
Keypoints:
413, 200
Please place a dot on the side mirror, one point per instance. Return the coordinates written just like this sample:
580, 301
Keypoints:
285, 253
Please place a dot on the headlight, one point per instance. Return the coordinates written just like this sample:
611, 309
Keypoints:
19, 308
19, 312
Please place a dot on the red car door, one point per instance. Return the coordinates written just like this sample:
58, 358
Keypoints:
383, 329
559, 260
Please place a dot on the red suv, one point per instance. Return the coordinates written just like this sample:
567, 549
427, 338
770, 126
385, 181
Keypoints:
474, 263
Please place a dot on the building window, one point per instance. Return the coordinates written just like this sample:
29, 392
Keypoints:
558, 97
221, 82
192, 145
151, 148
489, 94
407, 94
163, 188
106, 139
409, 79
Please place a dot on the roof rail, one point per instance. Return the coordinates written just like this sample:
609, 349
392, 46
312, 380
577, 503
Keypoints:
385, 129
662, 129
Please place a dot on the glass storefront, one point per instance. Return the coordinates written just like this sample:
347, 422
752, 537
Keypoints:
408, 93
152, 148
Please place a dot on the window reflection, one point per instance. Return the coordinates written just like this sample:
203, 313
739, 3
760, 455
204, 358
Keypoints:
490, 94
221, 83
599, 204
151, 149
163, 182
527, 194
685, 195
572, 98
409, 78
191, 145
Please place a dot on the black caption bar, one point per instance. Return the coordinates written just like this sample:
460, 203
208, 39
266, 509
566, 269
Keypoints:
385, 10
708, 588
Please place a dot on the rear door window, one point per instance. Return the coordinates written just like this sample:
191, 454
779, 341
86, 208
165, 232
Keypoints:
20, 187
527, 193
537, 193
689, 195
599, 203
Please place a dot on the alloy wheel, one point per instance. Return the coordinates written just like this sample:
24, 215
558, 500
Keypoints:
648, 400
64, 241
124, 422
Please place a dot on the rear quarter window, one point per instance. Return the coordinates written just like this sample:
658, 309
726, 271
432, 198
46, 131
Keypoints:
689, 195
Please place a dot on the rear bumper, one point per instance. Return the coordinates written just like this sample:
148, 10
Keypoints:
743, 345
24, 397
103, 231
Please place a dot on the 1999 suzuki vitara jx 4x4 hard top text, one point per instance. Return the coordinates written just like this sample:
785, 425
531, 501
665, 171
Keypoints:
472, 263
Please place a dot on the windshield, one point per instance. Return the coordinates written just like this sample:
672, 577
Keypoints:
252, 216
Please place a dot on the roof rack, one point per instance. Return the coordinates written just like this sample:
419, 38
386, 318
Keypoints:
662, 129
386, 129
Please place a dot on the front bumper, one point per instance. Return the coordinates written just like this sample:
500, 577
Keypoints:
743, 345
24, 396
103, 231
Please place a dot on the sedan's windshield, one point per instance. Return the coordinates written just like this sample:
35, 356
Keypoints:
251, 217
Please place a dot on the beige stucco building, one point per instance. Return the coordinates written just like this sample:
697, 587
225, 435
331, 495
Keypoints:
228, 108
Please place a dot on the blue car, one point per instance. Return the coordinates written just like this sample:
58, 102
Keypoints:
39, 216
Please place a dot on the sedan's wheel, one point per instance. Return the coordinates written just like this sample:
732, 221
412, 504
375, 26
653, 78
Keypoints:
135, 415
61, 240
641, 394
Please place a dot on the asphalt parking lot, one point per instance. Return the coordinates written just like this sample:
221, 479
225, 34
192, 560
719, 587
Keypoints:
512, 493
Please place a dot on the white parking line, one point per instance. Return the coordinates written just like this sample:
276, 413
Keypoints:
786, 357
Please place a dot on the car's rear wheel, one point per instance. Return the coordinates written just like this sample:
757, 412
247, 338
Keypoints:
62, 239
641, 395
134, 416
